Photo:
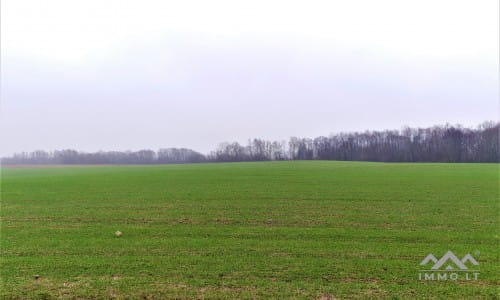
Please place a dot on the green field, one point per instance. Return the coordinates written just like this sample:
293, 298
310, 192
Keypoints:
303, 230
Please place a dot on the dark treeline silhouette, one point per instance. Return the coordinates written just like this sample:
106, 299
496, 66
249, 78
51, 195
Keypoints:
435, 144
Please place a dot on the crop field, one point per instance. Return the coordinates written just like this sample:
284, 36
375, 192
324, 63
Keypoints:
264, 230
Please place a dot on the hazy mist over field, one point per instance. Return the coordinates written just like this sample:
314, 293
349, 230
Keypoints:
94, 75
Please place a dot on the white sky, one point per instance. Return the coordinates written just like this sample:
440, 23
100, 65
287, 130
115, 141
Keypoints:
117, 75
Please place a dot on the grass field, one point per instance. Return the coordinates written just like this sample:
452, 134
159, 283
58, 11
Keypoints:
304, 230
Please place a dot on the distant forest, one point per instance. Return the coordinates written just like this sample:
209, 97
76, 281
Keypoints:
435, 144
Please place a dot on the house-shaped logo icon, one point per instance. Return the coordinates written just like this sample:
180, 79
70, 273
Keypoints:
449, 261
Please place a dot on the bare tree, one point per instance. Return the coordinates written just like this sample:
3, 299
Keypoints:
435, 144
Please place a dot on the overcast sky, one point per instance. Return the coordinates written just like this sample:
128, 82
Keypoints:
117, 75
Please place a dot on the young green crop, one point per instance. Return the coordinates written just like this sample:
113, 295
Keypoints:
316, 229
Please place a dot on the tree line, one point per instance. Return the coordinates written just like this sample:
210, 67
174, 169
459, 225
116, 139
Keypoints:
162, 156
446, 143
